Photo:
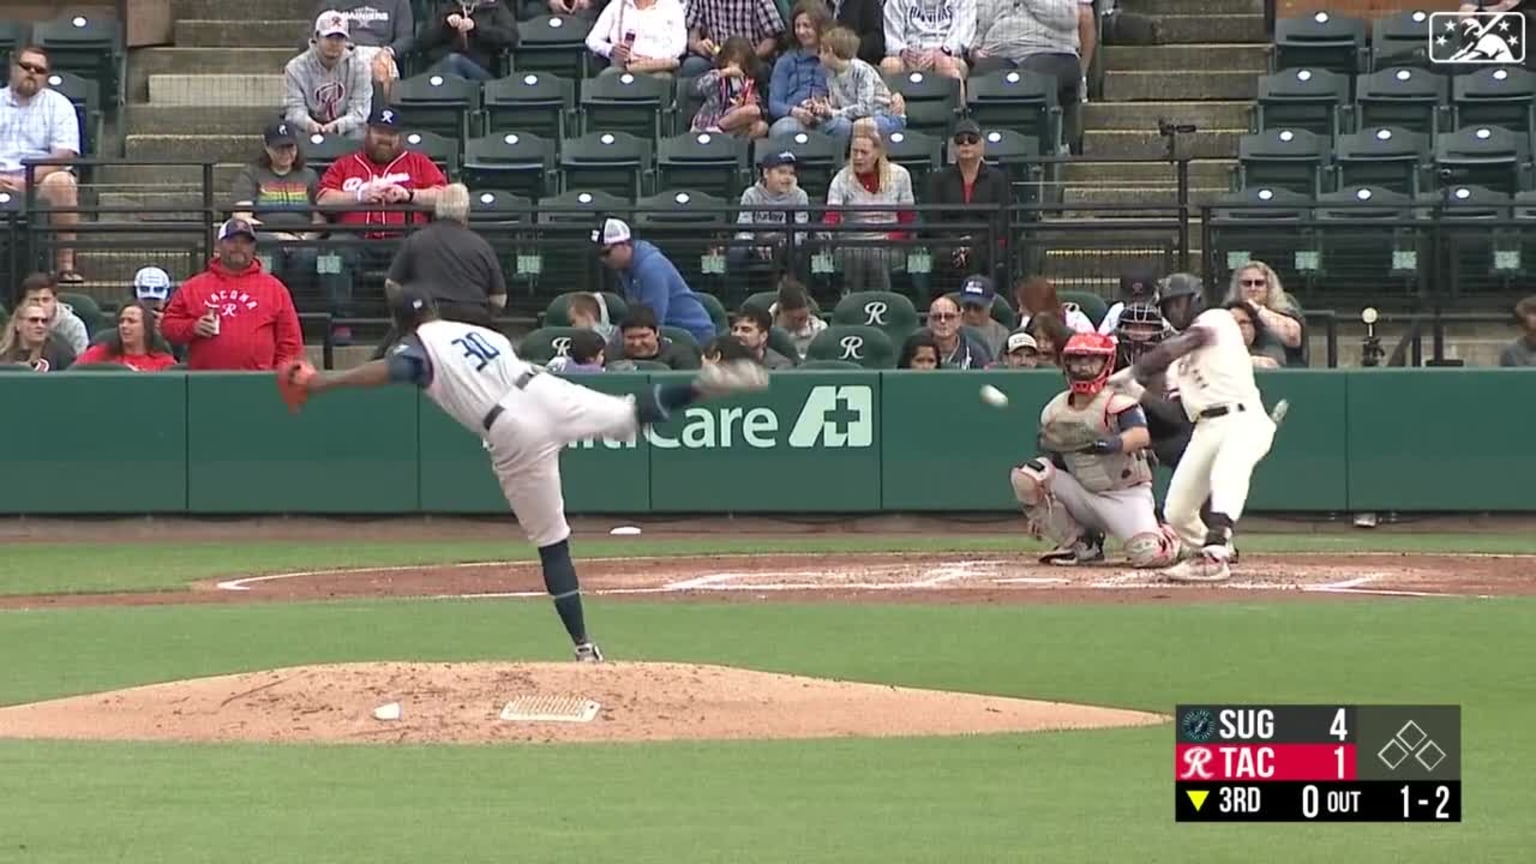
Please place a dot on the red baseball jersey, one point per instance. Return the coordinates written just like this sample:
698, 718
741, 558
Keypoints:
409, 170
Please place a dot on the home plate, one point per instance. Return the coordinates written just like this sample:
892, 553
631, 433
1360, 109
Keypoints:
550, 709
1031, 580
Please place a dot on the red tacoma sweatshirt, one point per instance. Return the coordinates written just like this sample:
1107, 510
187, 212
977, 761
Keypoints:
258, 326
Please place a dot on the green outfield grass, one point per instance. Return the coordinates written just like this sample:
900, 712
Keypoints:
57, 568
1078, 797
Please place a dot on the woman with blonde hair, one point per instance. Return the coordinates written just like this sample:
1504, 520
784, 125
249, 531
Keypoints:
1258, 284
1037, 295
869, 179
28, 342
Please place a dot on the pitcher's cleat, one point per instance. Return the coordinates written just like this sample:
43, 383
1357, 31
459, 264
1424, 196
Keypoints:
587, 652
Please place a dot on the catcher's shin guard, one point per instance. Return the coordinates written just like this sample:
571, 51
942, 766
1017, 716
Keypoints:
1048, 518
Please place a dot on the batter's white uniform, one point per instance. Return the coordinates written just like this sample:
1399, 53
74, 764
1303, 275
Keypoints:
1232, 430
525, 416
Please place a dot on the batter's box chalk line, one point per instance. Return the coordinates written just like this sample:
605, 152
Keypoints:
550, 709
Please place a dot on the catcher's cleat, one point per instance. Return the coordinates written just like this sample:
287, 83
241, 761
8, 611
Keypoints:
1204, 567
587, 652
734, 376
1084, 550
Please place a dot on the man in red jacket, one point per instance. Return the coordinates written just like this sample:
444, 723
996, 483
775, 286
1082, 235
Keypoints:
233, 316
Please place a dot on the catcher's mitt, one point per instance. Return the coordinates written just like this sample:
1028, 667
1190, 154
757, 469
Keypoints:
293, 379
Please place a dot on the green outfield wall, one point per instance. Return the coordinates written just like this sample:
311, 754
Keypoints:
831, 442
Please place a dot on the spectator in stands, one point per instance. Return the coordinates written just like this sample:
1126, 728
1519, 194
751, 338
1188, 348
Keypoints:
1052, 37
959, 347
799, 81
1050, 333
776, 187
870, 180
968, 181
711, 22
1522, 351
1264, 349
382, 33
751, 325
648, 278
865, 18
1037, 295
278, 193
919, 351
976, 298
638, 36
793, 314
234, 316
726, 348
1136, 287
457, 265
1257, 283
152, 287
583, 356
468, 38
28, 341
584, 9
855, 90
1020, 351
37, 122
374, 187
590, 312
328, 90
135, 344
63, 323
732, 104
640, 339
928, 36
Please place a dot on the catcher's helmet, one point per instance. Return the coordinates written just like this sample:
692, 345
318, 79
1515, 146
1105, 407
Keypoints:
410, 305
1088, 358
1180, 314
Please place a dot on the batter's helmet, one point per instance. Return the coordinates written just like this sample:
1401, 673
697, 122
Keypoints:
1181, 315
410, 305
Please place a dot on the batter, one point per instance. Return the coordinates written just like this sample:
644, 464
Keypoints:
1095, 479
525, 417
1232, 432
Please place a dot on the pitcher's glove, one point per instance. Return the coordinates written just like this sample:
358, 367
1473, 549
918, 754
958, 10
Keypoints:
293, 379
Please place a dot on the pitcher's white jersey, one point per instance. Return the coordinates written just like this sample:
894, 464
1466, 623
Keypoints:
473, 369
1218, 373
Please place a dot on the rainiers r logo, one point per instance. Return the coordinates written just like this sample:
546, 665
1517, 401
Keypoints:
1195, 760
1477, 37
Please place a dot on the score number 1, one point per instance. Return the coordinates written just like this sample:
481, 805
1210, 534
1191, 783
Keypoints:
1443, 793
1339, 730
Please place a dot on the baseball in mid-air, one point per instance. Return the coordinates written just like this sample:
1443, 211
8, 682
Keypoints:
993, 396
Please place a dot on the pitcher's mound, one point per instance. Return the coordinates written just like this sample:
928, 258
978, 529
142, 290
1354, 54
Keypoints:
463, 702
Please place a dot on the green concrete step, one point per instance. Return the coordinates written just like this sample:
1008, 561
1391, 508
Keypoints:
1178, 29
215, 10
159, 205
1202, 172
139, 177
230, 119
146, 63
1138, 196
215, 90
204, 148
1204, 144
1187, 58
1145, 115
291, 34
1160, 86
1208, 8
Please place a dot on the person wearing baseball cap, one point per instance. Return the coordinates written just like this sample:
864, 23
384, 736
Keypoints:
1021, 351
765, 208
329, 89
969, 181
976, 298
1138, 285
276, 192
648, 278
234, 316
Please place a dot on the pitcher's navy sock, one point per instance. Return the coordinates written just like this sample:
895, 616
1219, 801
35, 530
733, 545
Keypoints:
560, 581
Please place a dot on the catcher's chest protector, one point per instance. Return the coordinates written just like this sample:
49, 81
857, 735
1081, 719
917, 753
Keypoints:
1075, 428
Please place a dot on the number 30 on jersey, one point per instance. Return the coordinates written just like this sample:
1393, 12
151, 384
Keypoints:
477, 350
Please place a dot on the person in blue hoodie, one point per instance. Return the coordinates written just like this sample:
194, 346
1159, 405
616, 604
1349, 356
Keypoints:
798, 77
647, 278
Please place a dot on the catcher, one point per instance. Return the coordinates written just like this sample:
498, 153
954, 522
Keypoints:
1094, 478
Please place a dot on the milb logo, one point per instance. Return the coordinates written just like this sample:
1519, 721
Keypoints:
1477, 37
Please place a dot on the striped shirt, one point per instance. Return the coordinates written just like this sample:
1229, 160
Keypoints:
1015, 29
719, 20
36, 128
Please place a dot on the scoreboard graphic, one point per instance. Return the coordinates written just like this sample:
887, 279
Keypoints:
1317, 763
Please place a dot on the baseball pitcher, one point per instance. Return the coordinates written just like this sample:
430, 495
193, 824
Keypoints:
1094, 479
524, 415
1232, 432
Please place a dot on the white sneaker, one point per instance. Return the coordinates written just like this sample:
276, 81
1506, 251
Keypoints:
735, 376
1201, 568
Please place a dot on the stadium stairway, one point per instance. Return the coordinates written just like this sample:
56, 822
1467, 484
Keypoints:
1204, 73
